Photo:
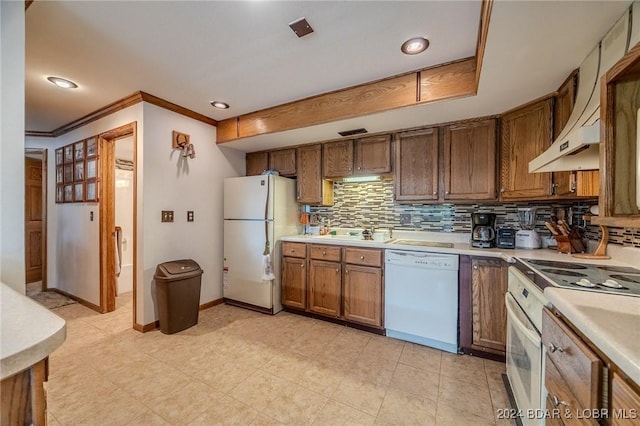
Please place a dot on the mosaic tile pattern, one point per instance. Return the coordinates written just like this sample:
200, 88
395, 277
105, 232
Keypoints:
359, 205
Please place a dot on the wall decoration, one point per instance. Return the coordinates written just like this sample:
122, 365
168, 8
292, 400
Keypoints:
68, 153
59, 193
92, 191
92, 168
79, 150
68, 193
78, 174
68, 173
92, 147
78, 192
59, 156
59, 174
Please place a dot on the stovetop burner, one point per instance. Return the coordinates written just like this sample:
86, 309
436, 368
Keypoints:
553, 264
603, 279
563, 272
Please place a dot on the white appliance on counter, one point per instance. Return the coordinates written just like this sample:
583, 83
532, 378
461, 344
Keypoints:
421, 298
257, 210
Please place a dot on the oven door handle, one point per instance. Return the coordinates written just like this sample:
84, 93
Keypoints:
531, 335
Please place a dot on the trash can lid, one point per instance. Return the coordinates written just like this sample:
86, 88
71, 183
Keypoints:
178, 267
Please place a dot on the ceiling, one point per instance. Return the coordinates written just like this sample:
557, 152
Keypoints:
244, 53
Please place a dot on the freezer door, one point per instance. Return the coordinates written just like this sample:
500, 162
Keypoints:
245, 197
243, 263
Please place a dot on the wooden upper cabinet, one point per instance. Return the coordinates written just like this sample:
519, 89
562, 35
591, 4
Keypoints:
416, 168
311, 188
372, 155
470, 161
257, 162
526, 133
563, 106
337, 159
284, 161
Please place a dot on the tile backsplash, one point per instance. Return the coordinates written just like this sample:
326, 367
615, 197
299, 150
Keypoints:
358, 205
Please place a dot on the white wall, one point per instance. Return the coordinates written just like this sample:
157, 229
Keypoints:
124, 214
173, 183
12, 76
73, 249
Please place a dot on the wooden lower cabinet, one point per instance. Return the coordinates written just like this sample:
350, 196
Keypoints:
363, 294
294, 282
483, 315
325, 287
625, 402
23, 397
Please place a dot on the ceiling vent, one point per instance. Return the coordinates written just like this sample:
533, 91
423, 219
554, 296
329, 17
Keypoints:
301, 27
353, 132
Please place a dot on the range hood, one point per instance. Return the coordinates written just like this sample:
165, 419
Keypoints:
576, 148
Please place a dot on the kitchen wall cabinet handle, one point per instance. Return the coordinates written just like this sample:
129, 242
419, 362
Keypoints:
553, 348
502, 190
446, 193
557, 401
302, 265
337, 269
475, 267
435, 193
361, 257
324, 253
346, 272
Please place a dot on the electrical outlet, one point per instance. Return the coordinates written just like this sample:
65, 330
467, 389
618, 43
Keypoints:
189, 215
167, 215
405, 219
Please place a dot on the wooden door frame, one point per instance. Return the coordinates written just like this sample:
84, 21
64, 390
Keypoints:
44, 152
106, 193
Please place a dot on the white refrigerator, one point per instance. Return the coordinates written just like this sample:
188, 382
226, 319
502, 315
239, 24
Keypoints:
257, 210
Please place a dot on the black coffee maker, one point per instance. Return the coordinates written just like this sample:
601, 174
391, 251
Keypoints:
483, 234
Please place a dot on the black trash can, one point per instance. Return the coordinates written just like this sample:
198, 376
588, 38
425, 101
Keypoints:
178, 294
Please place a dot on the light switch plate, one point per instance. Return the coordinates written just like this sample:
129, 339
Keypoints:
167, 215
189, 215
405, 219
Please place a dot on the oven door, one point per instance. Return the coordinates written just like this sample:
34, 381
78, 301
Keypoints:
524, 363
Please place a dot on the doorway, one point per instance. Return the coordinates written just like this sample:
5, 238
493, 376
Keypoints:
118, 217
35, 217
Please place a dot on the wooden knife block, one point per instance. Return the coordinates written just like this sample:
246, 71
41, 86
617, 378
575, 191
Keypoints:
570, 244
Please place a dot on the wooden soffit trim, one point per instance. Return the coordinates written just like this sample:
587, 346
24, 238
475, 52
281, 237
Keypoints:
120, 105
445, 81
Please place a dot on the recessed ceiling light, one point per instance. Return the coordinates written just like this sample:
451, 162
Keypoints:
61, 82
219, 104
414, 46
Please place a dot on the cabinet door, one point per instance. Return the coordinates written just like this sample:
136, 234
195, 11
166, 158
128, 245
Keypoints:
284, 161
625, 402
372, 155
489, 314
337, 159
416, 168
294, 282
324, 287
363, 295
526, 133
311, 189
470, 161
257, 162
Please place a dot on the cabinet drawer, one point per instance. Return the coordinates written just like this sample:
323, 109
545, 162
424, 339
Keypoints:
323, 252
365, 257
561, 398
577, 364
294, 249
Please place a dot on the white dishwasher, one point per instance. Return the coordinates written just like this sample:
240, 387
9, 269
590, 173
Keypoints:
421, 298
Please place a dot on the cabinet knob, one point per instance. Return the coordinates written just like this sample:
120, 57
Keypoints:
435, 193
324, 253
446, 193
502, 190
475, 267
337, 269
361, 257
359, 168
346, 272
302, 265
553, 348
557, 401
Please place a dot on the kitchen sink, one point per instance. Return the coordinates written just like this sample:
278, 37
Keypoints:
423, 243
347, 238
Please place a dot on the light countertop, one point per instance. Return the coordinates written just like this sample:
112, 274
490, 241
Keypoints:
611, 322
28, 332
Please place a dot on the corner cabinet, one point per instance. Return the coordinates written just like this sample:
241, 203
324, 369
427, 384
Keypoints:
483, 315
311, 188
526, 133
416, 166
470, 161
620, 147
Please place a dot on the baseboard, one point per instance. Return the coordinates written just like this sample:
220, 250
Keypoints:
211, 304
147, 327
77, 299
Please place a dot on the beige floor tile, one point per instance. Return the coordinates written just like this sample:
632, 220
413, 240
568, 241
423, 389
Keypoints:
225, 410
467, 397
375, 369
499, 399
149, 418
114, 408
322, 377
337, 414
384, 347
449, 415
259, 389
469, 367
181, 405
289, 366
51, 420
421, 357
263, 420
414, 381
399, 408
361, 395
295, 406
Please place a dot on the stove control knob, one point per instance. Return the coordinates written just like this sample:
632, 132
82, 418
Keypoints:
612, 283
585, 283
